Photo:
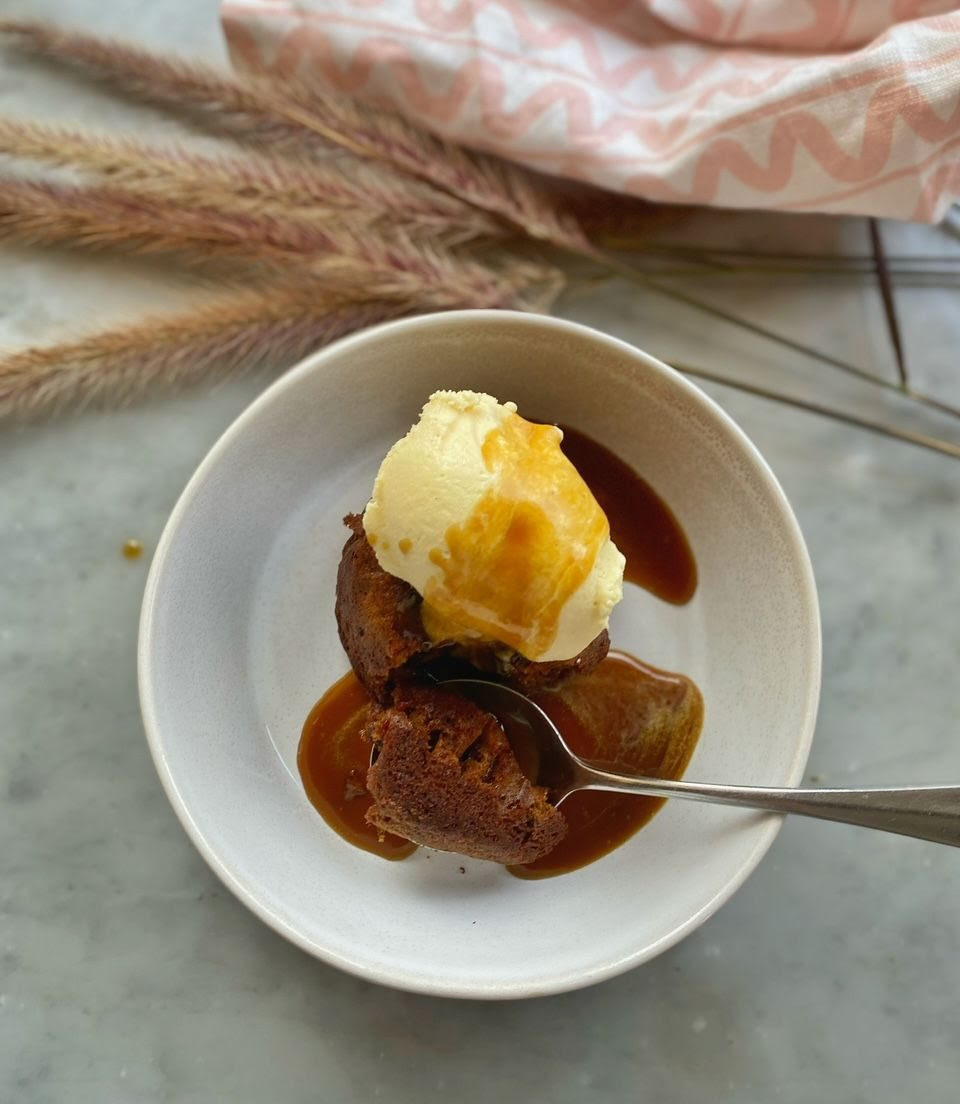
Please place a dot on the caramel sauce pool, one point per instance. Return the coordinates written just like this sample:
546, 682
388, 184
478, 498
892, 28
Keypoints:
624, 713
642, 525
333, 763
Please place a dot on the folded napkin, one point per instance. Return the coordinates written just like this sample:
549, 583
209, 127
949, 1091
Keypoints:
793, 105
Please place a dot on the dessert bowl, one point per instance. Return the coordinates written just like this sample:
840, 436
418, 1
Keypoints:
238, 641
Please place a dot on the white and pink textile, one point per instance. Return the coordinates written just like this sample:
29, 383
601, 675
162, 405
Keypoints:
793, 105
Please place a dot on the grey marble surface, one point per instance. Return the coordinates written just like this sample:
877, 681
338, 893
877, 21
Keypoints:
128, 974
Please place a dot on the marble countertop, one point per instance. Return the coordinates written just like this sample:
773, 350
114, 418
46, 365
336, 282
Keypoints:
129, 974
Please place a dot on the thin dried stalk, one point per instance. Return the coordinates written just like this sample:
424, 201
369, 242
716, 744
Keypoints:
798, 346
295, 113
641, 276
908, 436
889, 303
862, 262
245, 183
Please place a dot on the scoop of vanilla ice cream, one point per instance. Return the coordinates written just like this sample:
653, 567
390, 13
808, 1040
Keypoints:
480, 511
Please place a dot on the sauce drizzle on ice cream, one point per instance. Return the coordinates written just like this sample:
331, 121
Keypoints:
480, 511
532, 539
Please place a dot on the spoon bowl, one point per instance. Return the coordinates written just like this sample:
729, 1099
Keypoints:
541, 751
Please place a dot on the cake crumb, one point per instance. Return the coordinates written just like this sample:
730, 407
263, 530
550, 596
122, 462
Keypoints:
132, 549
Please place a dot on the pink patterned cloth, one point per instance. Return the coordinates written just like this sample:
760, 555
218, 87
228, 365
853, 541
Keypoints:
794, 105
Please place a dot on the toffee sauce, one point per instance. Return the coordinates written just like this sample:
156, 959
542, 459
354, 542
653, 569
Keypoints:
623, 713
642, 525
333, 760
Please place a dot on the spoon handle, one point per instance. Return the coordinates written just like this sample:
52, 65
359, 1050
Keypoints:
926, 812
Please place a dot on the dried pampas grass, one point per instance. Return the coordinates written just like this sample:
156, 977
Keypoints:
319, 216
240, 332
316, 215
296, 115
288, 186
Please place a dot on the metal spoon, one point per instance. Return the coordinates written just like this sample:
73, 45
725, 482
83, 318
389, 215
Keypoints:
927, 812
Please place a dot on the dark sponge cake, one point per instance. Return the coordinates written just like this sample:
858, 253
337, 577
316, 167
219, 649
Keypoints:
378, 616
527, 674
446, 777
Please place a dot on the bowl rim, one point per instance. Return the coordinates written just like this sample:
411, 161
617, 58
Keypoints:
767, 829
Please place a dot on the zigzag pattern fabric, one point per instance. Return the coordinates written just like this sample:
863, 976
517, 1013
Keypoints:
844, 106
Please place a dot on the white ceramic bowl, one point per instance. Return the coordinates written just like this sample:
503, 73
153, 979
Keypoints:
238, 641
